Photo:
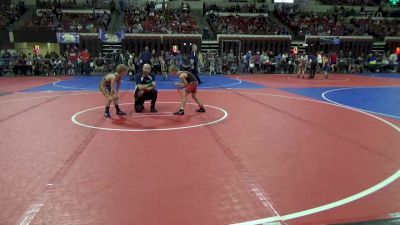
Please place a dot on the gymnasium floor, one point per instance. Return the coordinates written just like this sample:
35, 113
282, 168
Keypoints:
271, 149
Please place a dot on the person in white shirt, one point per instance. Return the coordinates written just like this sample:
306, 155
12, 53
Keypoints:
393, 58
319, 61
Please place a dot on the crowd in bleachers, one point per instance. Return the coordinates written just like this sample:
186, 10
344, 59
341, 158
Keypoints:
246, 8
35, 64
76, 62
150, 20
10, 14
56, 20
236, 24
287, 63
378, 28
133, 20
69, 4
353, 2
336, 22
312, 23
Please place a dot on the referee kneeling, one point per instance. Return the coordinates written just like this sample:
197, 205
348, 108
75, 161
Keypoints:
145, 89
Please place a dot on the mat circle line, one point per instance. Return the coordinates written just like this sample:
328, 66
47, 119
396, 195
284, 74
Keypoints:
324, 96
75, 121
239, 81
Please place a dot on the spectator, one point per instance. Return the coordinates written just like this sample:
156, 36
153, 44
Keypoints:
145, 56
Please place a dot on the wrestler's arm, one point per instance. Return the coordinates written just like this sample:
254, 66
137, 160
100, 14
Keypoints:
118, 86
183, 77
112, 84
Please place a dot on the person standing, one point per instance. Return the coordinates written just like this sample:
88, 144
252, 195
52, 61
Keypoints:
110, 85
325, 66
319, 61
313, 66
301, 66
194, 62
187, 86
145, 57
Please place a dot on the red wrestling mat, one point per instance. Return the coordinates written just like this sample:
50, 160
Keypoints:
13, 84
274, 154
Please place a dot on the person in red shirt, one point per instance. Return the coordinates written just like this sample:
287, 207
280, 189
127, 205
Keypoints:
334, 59
85, 57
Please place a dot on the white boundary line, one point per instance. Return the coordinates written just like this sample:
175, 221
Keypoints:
329, 206
299, 84
67, 87
75, 121
224, 85
338, 203
239, 81
364, 110
394, 215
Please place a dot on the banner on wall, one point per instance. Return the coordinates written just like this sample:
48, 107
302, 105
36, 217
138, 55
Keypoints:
330, 41
68, 38
111, 38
